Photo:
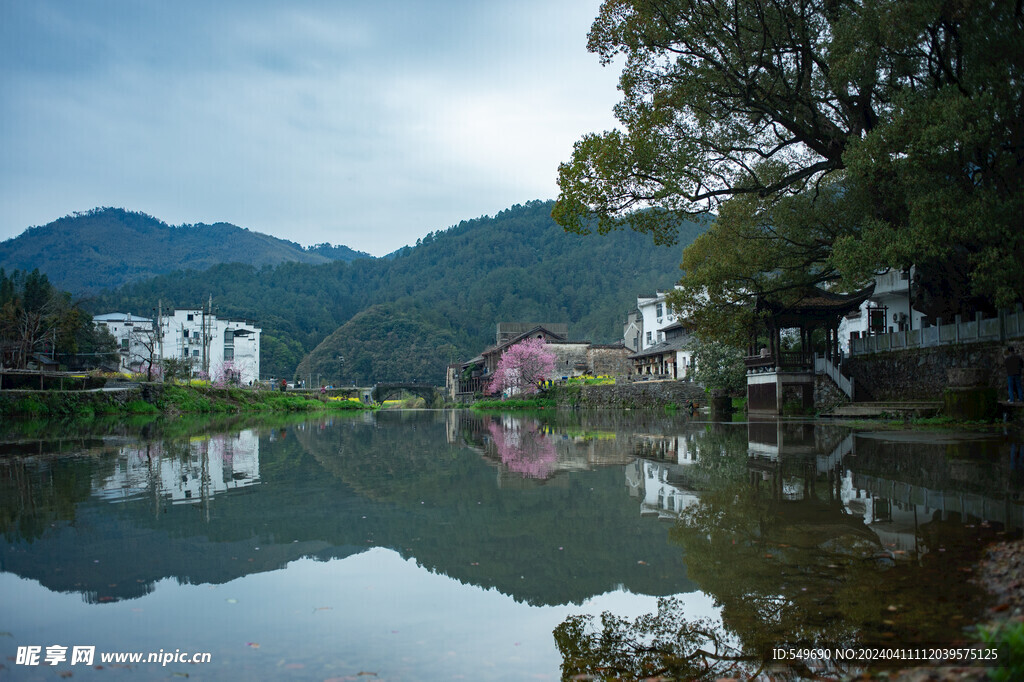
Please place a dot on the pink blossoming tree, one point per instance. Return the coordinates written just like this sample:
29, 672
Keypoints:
521, 368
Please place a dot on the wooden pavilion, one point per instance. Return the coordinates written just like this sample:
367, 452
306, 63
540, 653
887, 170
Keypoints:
775, 377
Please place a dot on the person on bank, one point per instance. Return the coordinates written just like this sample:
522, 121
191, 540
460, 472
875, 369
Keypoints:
1013, 364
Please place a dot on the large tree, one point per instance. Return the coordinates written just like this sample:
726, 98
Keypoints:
834, 138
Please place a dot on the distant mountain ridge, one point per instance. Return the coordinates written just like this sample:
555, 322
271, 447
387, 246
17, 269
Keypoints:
404, 317
106, 248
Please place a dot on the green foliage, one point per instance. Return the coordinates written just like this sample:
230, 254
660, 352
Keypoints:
77, 252
719, 366
409, 315
833, 139
140, 407
37, 318
515, 404
1008, 638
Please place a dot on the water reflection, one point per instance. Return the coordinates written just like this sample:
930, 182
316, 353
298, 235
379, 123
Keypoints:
809, 535
185, 472
783, 532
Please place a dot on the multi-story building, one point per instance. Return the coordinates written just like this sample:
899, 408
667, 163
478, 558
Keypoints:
222, 349
659, 339
135, 338
214, 346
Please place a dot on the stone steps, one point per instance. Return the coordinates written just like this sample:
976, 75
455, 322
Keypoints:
914, 408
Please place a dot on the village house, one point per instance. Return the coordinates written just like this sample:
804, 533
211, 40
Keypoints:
222, 349
661, 341
572, 358
134, 336
888, 309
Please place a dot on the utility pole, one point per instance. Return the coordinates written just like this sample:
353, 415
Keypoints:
160, 333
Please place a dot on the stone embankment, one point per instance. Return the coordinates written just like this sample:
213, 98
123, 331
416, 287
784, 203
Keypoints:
642, 395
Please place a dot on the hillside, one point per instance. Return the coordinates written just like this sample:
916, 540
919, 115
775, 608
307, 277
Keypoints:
407, 317
108, 247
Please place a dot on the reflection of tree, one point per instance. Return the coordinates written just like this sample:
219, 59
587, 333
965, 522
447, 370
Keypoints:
791, 569
654, 646
523, 448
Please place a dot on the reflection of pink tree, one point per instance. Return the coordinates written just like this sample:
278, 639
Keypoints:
524, 449
522, 367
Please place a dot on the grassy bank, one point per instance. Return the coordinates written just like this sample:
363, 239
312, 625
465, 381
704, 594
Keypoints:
153, 399
516, 404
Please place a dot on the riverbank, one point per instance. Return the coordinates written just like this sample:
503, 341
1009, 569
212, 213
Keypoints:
168, 399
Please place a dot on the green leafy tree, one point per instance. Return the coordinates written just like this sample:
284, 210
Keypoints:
834, 139
719, 366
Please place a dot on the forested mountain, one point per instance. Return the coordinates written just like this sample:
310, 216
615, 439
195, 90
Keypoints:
406, 317
108, 247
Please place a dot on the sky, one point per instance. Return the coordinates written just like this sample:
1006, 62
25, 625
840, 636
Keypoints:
366, 123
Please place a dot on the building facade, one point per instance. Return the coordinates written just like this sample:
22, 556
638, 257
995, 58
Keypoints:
224, 350
135, 338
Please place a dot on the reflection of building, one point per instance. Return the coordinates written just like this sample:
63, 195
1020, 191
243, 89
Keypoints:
658, 487
193, 473
893, 484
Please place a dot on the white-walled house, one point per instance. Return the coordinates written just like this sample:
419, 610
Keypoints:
888, 308
654, 316
230, 345
659, 339
133, 335
219, 348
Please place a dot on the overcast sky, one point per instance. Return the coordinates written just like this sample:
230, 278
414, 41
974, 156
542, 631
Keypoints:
366, 123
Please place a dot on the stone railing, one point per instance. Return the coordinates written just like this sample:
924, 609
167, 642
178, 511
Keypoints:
823, 365
1008, 325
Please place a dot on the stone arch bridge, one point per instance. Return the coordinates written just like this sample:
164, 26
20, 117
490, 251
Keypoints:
382, 392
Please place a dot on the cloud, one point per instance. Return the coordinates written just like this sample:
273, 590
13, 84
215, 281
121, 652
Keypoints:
366, 124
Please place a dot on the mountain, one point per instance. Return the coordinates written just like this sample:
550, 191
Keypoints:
406, 317
108, 247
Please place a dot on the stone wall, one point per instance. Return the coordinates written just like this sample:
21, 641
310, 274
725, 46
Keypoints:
610, 360
568, 357
645, 395
920, 374
827, 395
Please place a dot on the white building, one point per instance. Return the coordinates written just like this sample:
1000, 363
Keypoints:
215, 347
887, 310
654, 316
659, 339
212, 466
218, 348
134, 336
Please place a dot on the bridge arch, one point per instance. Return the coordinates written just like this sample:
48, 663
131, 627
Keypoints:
382, 392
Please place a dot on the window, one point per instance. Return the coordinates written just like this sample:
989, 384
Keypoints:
184, 333
124, 344
648, 337
195, 353
661, 309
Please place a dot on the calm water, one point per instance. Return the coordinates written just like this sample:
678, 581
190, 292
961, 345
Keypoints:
450, 545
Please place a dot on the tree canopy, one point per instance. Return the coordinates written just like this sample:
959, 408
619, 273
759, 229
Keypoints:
37, 318
833, 138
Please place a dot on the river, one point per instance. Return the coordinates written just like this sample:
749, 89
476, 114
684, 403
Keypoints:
440, 545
